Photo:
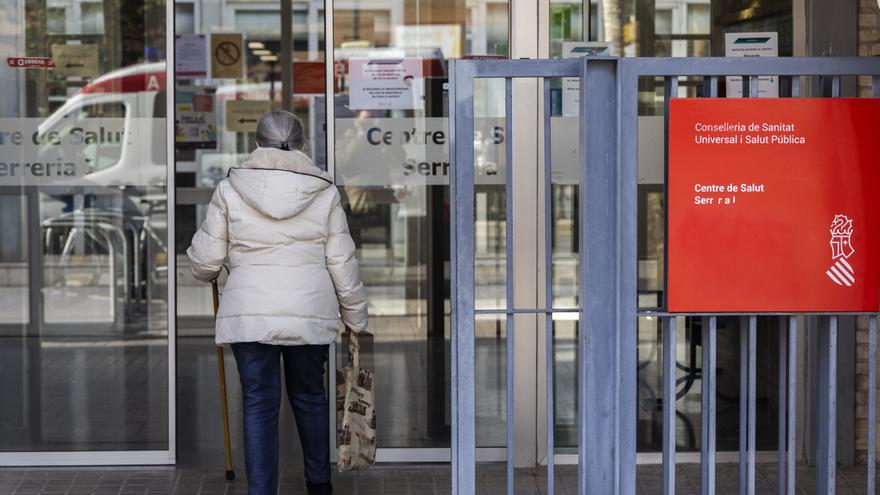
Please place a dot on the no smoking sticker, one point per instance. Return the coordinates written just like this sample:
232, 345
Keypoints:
226, 59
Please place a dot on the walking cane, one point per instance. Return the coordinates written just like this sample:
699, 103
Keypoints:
224, 404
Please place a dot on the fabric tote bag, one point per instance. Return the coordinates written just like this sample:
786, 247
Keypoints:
355, 412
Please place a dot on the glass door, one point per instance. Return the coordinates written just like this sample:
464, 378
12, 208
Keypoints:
85, 317
390, 158
272, 57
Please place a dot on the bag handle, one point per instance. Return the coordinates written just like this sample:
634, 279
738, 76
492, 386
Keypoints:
354, 359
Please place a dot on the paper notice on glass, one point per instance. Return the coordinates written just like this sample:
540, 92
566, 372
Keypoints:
191, 55
752, 45
196, 121
571, 86
385, 84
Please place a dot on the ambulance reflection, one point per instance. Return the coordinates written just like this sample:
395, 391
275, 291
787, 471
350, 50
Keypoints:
104, 231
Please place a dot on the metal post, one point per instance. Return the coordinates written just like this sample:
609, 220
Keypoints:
669, 376
462, 245
599, 446
826, 455
872, 404
508, 280
782, 418
627, 275
286, 55
792, 403
707, 446
670, 90
753, 392
548, 284
743, 401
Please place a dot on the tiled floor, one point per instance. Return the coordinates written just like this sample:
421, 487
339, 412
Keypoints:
385, 480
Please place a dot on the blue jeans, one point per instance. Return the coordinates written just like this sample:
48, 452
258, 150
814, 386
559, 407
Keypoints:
259, 367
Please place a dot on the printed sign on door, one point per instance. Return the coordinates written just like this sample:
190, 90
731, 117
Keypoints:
772, 205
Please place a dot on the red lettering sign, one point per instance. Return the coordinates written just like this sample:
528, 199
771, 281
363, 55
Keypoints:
31, 62
773, 205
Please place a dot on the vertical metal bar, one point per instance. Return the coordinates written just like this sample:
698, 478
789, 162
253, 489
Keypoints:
286, 55
872, 403
508, 163
171, 239
670, 91
461, 110
583, 351
35, 276
835, 86
753, 392
600, 427
453, 266
795, 86
753, 87
875, 86
743, 404
669, 376
791, 430
783, 368
627, 275
708, 395
826, 455
745, 87
548, 282
707, 446
330, 90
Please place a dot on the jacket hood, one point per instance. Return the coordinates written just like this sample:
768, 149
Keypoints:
280, 184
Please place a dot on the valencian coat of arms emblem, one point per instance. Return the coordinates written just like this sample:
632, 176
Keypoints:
841, 272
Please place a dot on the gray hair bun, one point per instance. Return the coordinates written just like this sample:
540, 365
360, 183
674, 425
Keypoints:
280, 129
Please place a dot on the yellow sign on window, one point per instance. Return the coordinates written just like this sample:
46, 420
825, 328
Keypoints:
75, 60
242, 115
227, 55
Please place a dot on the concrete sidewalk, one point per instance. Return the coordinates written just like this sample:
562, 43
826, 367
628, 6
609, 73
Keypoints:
384, 480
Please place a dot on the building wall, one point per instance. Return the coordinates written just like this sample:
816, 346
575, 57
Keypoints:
869, 45
869, 38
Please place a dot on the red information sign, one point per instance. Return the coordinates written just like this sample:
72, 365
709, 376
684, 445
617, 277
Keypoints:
773, 205
31, 62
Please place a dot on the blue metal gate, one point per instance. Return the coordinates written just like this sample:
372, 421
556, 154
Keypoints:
608, 312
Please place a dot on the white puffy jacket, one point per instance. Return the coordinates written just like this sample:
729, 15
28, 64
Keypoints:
292, 265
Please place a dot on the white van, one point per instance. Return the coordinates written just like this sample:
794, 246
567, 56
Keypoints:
137, 95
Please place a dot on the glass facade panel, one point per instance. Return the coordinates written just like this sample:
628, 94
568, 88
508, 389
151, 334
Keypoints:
83, 210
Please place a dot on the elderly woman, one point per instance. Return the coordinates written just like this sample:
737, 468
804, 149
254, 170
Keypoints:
292, 274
